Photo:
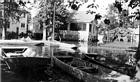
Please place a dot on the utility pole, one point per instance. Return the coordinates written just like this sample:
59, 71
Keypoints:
53, 21
44, 25
3, 27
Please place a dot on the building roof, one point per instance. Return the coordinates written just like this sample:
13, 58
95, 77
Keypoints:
82, 16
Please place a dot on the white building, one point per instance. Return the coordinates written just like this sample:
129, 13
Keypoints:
14, 25
19, 26
80, 26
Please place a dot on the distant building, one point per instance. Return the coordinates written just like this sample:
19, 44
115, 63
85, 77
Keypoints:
80, 28
20, 26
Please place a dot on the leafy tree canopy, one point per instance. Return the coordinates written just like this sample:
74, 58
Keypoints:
12, 10
61, 13
134, 3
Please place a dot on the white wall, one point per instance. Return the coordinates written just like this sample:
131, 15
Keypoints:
84, 34
83, 47
100, 38
137, 38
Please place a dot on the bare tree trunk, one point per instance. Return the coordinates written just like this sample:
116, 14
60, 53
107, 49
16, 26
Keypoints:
53, 21
3, 33
44, 34
137, 55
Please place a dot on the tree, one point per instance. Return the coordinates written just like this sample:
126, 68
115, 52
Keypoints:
112, 16
133, 4
95, 26
54, 15
118, 5
118, 16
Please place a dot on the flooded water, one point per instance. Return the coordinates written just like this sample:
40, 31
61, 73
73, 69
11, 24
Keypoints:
53, 74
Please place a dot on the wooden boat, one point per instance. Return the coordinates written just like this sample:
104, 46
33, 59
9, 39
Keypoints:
17, 63
9, 51
81, 72
77, 73
40, 63
112, 64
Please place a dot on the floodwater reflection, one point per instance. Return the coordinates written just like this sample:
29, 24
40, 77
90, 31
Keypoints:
45, 51
45, 74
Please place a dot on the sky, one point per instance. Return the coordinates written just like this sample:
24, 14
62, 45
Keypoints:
102, 9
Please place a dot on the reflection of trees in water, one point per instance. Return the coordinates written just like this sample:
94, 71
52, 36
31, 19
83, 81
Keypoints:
113, 54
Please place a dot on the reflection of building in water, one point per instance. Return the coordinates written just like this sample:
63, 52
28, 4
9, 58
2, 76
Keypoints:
45, 50
83, 47
48, 50
87, 47
92, 49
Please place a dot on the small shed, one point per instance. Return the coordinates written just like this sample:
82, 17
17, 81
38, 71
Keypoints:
80, 26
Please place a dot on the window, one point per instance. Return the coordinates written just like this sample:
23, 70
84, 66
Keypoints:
64, 27
22, 25
0, 13
90, 27
74, 27
40, 24
7, 25
1, 23
24, 15
84, 27
78, 26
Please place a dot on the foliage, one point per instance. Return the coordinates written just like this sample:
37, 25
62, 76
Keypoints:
118, 5
74, 4
46, 14
11, 35
111, 18
12, 10
134, 3
118, 17
107, 21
